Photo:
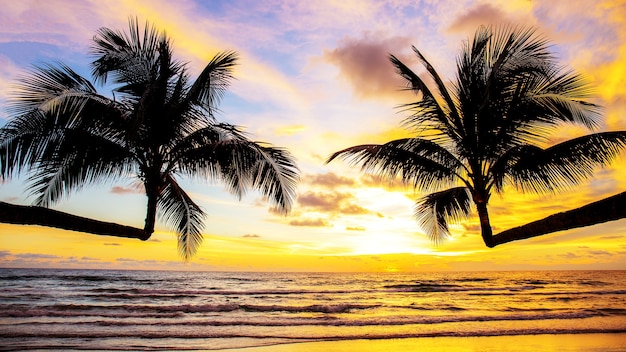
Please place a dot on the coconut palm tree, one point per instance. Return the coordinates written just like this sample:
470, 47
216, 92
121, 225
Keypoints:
158, 125
485, 130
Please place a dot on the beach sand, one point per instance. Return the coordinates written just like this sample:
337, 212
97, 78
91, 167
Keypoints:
544, 343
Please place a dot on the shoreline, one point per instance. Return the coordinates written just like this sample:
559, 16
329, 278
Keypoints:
585, 342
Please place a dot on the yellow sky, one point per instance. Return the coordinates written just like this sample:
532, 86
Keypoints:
314, 78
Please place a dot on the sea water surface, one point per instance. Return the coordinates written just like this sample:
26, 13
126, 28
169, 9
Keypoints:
165, 310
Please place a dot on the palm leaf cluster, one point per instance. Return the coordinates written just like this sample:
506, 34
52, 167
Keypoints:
158, 125
485, 130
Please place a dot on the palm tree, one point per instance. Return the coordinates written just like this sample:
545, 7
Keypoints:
484, 131
158, 125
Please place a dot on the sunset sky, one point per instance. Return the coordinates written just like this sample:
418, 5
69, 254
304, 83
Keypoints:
314, 77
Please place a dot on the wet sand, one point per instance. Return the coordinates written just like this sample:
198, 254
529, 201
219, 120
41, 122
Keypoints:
545, 343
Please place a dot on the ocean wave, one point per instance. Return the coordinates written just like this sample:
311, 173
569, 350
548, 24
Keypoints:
179, 309
112, 292
110, 309
316, 308
142, 315
309, 336
46, 308
435, 287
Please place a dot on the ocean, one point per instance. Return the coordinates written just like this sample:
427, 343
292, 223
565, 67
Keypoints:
43, 309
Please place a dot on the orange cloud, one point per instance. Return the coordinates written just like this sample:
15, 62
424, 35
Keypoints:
329, 180
332, 202
272, 210
484, 14
125, 190
354, 209
474, 17
396, 185
310, 222
365, 64
321, 201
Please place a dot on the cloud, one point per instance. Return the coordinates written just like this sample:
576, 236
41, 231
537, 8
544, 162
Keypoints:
485, 14
364, 63
329, 180
599, 252
474, 17
111, 244
354, 209
355, 228
310, 223
323, 201
273, 210
252, 235
614, 237
124, 190
369, 180
36, 256
570, 255
331, 202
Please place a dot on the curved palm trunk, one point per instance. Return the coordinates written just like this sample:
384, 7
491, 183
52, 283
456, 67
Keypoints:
151, 211
485, 225
152, 185
33, 215
608, 209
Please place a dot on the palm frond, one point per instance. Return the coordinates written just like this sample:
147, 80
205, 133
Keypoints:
177, 208
51, 88
275, 175
436, 210
420, 163
23, 140
130, 57
210, 86
222, 151
559, 97
48, 101
199, 150
427, 112
453, 119
511, 50
73, 160
564, 165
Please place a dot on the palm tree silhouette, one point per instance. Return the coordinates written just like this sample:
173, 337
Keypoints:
157, 126
484, 131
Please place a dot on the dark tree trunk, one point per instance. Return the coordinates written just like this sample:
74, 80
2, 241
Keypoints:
608, 209
485, 225
151, 211
33, 215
